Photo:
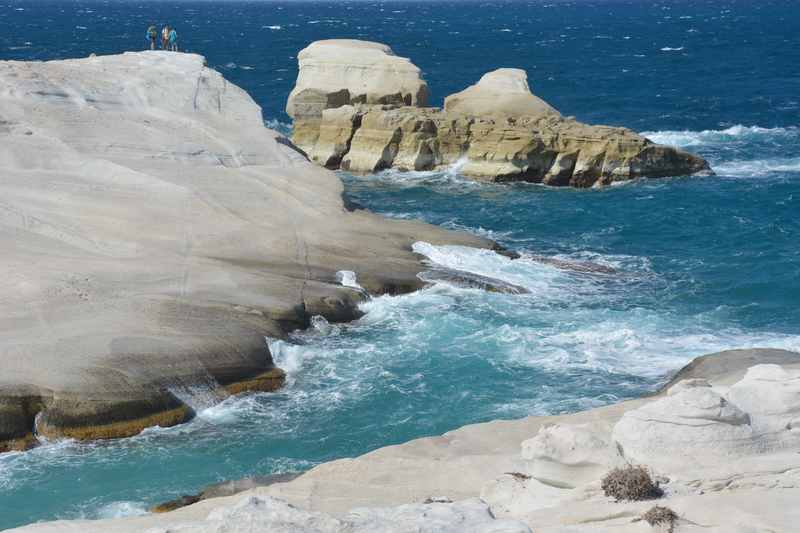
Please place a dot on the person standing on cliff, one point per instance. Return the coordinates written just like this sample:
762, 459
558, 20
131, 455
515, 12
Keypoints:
165, 37
152, 35
173, 40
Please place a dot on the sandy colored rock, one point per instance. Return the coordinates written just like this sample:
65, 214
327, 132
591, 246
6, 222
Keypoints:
154, 231
338, 73
495, 130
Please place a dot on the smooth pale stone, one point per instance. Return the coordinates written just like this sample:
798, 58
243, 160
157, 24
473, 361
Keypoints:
684, 428
153, 232
349, 71
254, 513
504, 91
570, 455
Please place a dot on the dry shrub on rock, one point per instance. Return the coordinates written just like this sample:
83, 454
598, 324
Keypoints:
661, 516
631, 483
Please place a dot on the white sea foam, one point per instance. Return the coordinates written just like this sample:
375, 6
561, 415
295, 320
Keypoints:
449, 176
198, 393
757, 168
348, 278
276, 27
286, 355
281, 127
121, 509
542, 280
672, 49
694, 138
728, 148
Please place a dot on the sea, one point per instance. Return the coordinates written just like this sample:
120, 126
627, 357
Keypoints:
694, 264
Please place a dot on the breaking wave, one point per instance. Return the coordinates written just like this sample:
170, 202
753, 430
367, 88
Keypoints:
736, 133
739, 151
284, 128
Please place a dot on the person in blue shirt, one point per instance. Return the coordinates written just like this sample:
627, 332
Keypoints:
173, 40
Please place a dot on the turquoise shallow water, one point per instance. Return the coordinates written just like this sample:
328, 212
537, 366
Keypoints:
700, 264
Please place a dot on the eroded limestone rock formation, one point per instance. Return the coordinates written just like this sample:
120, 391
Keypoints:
360, 108
153, 232
697, 437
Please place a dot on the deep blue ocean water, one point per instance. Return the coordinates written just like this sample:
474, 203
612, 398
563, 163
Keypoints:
701, 264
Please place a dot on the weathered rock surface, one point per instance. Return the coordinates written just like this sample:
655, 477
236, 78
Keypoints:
543, 471
504, 91
494, 130
153, 232
255, 513
338, 72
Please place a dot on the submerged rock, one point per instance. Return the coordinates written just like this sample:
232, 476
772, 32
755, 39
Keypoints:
367, 113
470, 280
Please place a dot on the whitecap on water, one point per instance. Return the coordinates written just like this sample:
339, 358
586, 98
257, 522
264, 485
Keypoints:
541, 280
287, 356
757, 168
739, 151
120, 510
687, 138
283, 128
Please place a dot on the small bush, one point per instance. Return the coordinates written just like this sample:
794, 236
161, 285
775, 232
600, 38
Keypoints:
631, 483
519, 476
661, 516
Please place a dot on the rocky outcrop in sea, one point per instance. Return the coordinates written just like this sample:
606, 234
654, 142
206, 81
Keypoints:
358, 107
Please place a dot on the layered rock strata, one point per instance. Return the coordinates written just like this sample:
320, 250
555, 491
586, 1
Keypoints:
153, 233
358, 107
